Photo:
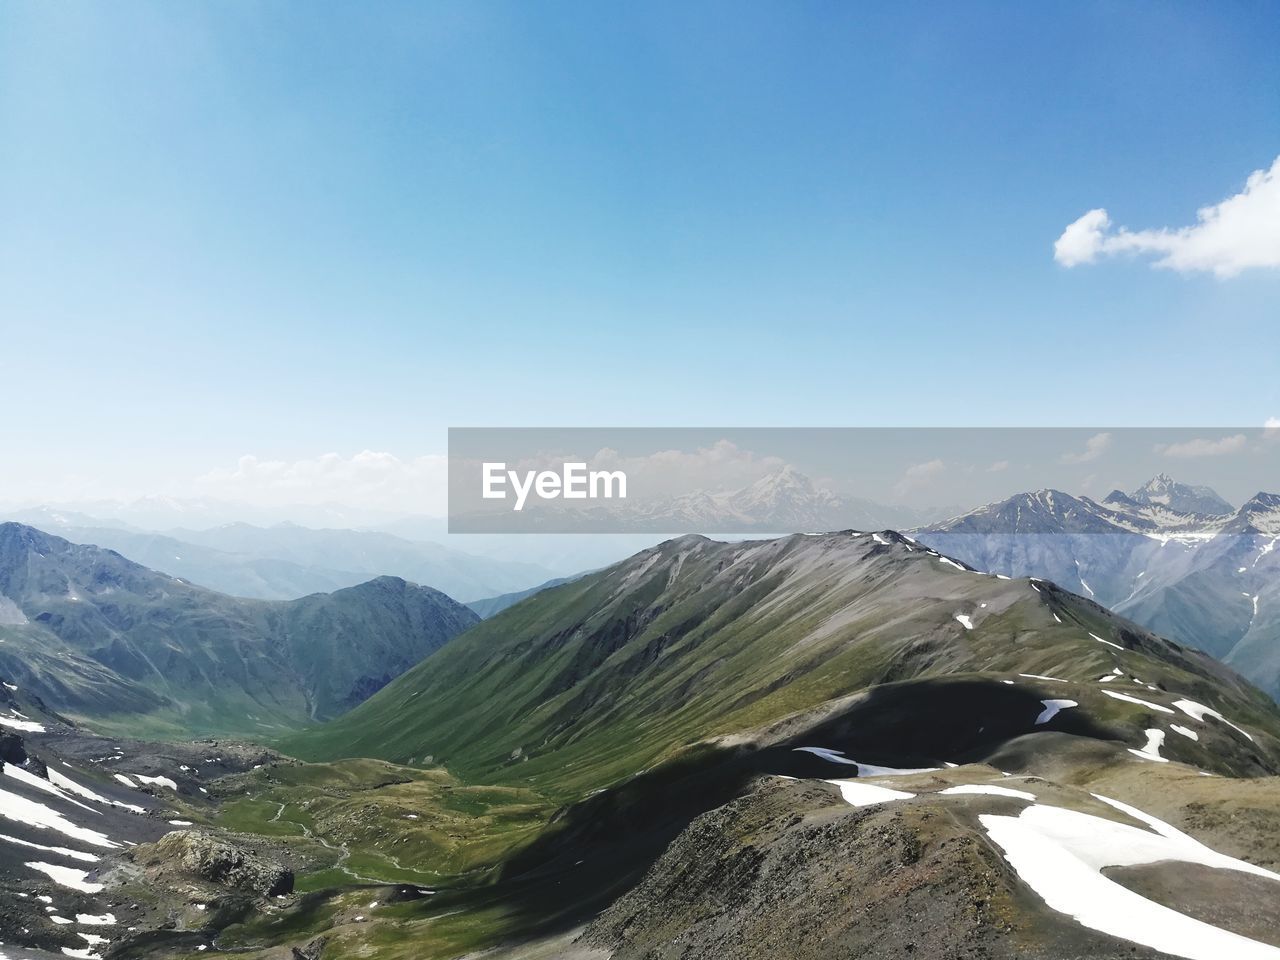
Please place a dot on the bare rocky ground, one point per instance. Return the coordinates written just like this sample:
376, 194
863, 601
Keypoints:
786, 867
101, 843
791, 870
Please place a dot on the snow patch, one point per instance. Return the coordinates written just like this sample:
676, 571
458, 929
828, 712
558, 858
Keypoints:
33, 814
158, 781
60, 851
1107, 642
66, 783
1052, 708
1151, 751
1060, 854
26, 726
31, 780
89, 920
1198, 711
66, 876
858, 794
864, 769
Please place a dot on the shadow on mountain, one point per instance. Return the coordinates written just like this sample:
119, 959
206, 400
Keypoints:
596, 850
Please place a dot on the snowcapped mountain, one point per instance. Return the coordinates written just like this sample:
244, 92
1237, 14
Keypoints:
1175, 558
784, 501
1260, 515
1162, 490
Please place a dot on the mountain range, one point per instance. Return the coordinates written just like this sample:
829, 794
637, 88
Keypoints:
837, 744
1177, 559
784, 500
724, 732
100, 637
285, 560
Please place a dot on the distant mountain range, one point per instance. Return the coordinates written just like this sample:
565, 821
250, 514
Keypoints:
784, 501
286, 561
157, 512
101, 637
1178, 559
491, 606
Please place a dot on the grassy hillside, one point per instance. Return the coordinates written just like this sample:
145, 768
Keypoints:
590, 682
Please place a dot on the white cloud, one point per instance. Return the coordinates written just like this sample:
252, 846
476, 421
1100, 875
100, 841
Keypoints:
1271, 429
1204, 448
919, 475
998, 467
368, 479
1094, 447
1241, 232
1082, 240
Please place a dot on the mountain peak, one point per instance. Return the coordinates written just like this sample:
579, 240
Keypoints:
784, 476
13, 532
1261, 513
1121, 498
1163, 491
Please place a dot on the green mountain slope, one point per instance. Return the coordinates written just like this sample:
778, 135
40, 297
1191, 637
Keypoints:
106, 640
590, 682
491, 606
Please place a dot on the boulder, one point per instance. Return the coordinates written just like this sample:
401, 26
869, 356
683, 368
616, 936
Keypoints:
312, 951
12, 749
215, 859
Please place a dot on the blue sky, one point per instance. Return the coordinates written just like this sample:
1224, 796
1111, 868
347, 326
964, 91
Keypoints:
287, 229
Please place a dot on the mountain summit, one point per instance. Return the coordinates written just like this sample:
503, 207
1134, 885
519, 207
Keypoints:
1162, 490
